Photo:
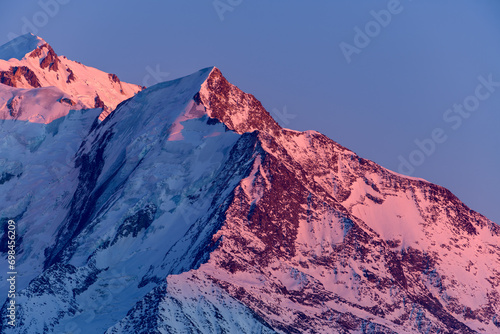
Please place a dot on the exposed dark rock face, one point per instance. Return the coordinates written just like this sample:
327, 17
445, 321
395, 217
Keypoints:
13, 77
14, 107
68, 101
98, 102
137, 222
4, 177
240, 111
114, 78
36, 53
51, 61
71, 77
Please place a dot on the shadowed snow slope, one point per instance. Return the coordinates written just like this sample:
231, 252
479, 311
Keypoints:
189, 210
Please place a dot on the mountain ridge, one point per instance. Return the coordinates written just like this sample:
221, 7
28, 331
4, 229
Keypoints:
189, 209
37, 65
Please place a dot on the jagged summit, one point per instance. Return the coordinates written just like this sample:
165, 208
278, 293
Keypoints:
209, 90
20, 46
240, 111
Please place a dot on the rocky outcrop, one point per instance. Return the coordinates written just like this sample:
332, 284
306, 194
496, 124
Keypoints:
114, 78
241, 112
14, 107
98, 102
67, 101
71, 76
50, 61
14, 75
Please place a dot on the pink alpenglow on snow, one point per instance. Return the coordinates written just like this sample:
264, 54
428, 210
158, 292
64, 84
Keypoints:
29, 62
189, 209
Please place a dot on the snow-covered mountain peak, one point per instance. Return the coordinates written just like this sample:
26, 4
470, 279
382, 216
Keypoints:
208, 93
20, 46
29, 62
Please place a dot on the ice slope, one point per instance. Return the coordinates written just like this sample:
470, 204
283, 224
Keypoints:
20, 46
189, 209
29, 62
36, 180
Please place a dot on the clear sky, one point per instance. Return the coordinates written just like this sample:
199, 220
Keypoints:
376, 76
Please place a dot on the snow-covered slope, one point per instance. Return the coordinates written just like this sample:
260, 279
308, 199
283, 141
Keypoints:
189, 210
29, 62
36, 105
19, 47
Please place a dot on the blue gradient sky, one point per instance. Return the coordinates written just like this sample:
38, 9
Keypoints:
286, 53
